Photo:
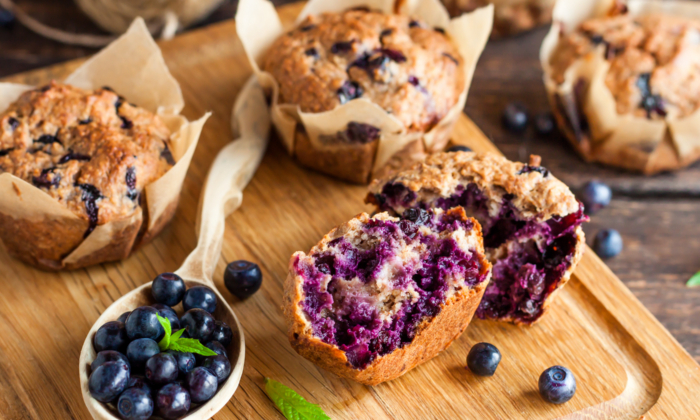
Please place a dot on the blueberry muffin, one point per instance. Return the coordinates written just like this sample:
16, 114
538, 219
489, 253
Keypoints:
92, 152
511, 17
531, 223
380, 295
647, 65
412, 71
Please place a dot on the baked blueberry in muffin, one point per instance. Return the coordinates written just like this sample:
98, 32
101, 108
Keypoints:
380, 295
414, 72
91, 151
623, 87
530, 221
510, 17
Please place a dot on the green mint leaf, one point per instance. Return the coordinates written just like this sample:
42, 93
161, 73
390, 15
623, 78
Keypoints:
694, 281
177, 335
292, 405
191, 345
165, 342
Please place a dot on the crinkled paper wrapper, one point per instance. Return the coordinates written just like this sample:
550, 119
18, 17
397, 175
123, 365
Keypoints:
38, 229
633, 143
305, 134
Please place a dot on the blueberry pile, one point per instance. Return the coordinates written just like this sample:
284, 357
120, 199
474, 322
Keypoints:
140, 374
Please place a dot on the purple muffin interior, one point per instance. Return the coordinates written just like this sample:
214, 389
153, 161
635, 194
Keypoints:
529, 257
363, 298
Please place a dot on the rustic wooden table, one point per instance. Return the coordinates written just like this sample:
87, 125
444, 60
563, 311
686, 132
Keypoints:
657, 216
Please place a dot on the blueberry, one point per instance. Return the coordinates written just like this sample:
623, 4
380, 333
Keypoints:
515, 117
173, 401
198, 323
185, 361
242, 278
143, 323
200, 297
483, 359
607, 243
214, 346
222, 333
544, 124
123, 317
111, 336
108, 356
202, 384
108, 381
139, 382
168, 289
459, 148
595, 195
219, 365
167, 312
557, 385
135, 404
161, 369
140, 350
7, 18
348, 91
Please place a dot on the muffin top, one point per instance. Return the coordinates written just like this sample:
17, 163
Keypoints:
90, 150
654, 61
411, 70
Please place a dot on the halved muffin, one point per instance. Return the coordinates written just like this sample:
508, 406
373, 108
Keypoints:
530, 220
380, 295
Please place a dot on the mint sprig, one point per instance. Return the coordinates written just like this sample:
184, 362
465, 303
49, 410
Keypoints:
694, 281
175, 341
292, 405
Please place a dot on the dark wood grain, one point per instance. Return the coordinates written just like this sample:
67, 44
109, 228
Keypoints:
659, 216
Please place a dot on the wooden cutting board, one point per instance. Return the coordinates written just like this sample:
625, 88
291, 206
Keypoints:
627, 365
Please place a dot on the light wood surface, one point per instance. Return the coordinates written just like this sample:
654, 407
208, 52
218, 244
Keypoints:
627, 365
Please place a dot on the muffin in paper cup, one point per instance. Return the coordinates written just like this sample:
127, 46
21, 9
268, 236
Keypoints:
36, 228
620, 95
344, 131
511, 17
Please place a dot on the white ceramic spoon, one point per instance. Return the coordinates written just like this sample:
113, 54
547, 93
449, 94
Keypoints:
230, 173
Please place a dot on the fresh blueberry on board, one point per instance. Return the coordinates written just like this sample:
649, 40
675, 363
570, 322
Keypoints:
202, 384
140, 350
137, 381
135, 404
198, 323
111, 336
108, 356
200, 297
557, 385
173, 401
108, 381
544, 124
185, 361
459, 148
143, 323
168, 289
218, 364
161, 369
483, 359
167, 312
607, 243
595, 195
222, 333
123, 317
242, 278
515, 117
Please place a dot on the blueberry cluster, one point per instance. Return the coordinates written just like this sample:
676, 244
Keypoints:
138, 378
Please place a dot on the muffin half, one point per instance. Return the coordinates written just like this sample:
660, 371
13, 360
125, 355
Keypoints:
380, 295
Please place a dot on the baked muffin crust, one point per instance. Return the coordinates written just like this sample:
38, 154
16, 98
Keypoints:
411, 70
90, 150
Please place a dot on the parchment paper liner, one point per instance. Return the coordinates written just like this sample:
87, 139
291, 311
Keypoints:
258, 26
633, 143
38, 229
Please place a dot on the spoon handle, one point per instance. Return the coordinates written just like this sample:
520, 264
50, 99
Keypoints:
231, 171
